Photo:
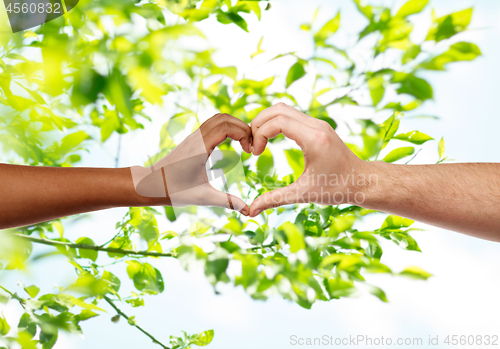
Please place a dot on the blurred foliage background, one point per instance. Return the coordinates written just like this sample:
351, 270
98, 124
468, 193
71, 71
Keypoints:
100, 71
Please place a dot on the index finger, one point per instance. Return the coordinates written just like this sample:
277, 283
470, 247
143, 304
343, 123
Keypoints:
278, 109
220, 123
227, 130
285, 125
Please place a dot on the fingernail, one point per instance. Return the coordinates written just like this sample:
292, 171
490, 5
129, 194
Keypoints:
251, 149
256, 213
245, 211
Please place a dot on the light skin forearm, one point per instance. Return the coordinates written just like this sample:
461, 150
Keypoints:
32, 194
460, 197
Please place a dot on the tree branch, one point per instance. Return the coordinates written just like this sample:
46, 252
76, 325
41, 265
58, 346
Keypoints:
122, 314
262, 247
15, 296
93, 247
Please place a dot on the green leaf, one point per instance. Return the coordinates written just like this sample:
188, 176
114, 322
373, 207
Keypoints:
327, 30
229, 246
377, 89
294, 236
112, 282
86, 314
295, 159
461, 51
296, 72
379, 293
229, 160
343, 101
27, 324
120, 242
410, 84
374, 250
441, 148
135, 302
32, 290
86, 87
72, 140
396, 222
312, 228
131, 320
341, 224
259, 49
234, 226
148, 228
415, 137
86, 253
390, 127
398, 154
412, 7
203, 339
265, 164
232, 17
366, 10
339, 288
4, 326
215, 270
198, 14
146, 278
411, 53
404, 240
110, 124
18, 57
170, 213
447, 26
119, 93
415, 273
255, 7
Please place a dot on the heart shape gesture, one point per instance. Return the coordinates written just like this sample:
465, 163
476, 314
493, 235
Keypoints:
181, 177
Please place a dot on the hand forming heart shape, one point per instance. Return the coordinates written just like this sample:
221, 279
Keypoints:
331, 175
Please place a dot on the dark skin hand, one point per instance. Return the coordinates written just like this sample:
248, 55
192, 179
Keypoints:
33, 194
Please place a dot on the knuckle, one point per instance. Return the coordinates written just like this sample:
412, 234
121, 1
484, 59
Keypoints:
274, 201
224, 125
225, 117
321, 137
280, 106
281, 119
248, 130
324, 125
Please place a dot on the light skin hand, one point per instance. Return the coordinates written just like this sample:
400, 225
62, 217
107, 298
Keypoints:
324, 154
33, 194
460, 197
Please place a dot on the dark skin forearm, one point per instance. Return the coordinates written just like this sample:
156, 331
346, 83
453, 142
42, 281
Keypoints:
32, 194
460, 197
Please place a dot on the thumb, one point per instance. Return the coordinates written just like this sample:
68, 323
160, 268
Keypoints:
220, 199
278, 197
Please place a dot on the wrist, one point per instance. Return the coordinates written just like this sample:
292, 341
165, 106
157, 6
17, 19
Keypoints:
386, 184
145, 187
367, 186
